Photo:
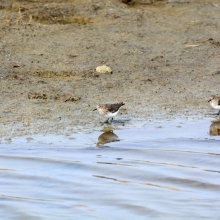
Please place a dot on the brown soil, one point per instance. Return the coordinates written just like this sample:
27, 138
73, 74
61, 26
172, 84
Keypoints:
164, 57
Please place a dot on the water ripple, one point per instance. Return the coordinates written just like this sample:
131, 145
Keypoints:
122, 174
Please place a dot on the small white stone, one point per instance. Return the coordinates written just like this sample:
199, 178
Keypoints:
103, 69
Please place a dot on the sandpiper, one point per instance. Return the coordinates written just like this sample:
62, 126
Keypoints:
109, 110
215, 103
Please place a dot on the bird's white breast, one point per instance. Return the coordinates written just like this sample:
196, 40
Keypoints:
215, 106
111, 114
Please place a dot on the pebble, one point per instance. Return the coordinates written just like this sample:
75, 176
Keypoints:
103, 69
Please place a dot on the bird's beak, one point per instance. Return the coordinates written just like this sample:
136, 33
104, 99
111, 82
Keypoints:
95, 109
209, 100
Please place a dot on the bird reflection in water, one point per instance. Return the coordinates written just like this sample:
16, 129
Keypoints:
107, 137
214, 129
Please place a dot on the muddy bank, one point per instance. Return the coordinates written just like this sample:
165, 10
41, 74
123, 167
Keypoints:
164, 57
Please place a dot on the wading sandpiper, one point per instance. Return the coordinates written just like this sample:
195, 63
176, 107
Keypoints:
215, 103
109, 110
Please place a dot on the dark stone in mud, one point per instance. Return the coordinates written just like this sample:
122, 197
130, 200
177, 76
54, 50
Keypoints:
62, 97
71, 99
15, 65
64, 14
178, 1
42, 82
90, 75
143, 2
67, 97
35, 95
128, 1
52, 74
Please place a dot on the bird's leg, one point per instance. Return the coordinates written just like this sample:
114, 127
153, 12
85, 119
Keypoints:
107, 120
112, 119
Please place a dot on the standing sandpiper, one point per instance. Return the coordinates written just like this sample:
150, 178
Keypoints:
109, 110
215, 102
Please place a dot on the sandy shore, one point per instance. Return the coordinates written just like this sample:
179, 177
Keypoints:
164, 57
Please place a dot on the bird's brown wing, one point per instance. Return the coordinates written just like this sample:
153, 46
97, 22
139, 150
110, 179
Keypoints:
113, 107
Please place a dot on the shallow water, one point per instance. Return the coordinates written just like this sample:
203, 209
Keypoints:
167, 170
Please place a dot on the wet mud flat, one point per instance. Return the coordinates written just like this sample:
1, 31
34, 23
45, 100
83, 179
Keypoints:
167, 170
164, 58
